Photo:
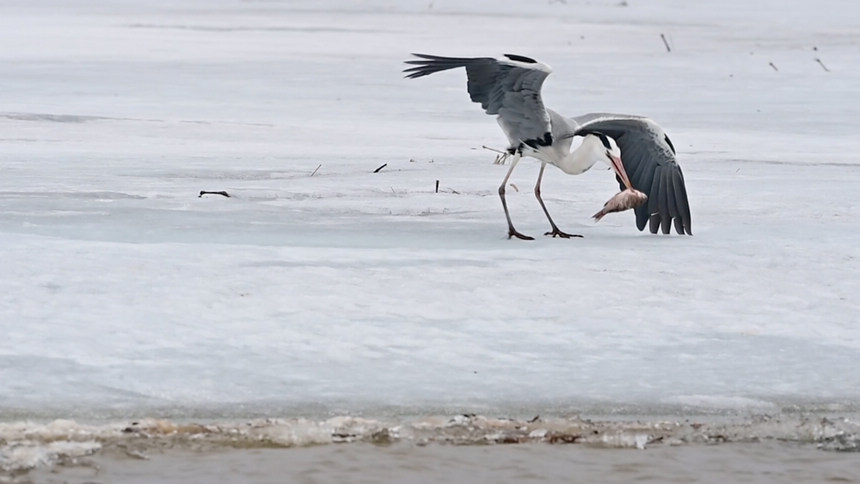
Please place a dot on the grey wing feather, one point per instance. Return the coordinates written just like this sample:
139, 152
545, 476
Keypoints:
511, 91
649, 159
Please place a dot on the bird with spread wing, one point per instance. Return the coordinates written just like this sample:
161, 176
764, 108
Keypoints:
635, 147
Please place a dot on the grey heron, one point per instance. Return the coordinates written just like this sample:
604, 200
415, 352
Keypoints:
510, 88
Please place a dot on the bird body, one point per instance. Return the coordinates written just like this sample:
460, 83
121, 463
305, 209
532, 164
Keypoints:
510, 88
556, 152
590, 151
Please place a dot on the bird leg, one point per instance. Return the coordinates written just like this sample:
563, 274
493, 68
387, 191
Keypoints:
555, 231
512, 232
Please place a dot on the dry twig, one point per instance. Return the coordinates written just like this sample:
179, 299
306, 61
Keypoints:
666, 43
205, 192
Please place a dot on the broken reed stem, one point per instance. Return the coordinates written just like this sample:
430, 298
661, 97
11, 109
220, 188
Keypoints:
380, 168
206, 192
492, 149
317, 168
666, 43
455, 192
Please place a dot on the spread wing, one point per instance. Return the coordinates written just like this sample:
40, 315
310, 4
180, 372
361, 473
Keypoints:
509, 87
649, 159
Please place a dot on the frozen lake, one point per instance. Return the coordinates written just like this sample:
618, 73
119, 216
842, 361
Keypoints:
320, 290
321, 287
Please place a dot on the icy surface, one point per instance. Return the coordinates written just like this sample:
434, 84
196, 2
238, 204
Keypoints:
320, 284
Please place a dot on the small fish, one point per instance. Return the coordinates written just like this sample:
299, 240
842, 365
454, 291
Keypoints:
624, 200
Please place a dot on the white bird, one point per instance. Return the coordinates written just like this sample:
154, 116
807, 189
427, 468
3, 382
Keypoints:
510, 87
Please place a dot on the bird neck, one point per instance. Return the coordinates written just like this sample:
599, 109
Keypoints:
583, 157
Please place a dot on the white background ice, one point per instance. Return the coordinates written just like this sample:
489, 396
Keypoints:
121, 289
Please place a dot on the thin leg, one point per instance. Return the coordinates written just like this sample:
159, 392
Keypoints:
555, 231
512, 232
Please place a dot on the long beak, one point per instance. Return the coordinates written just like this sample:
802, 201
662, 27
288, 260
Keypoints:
619, 170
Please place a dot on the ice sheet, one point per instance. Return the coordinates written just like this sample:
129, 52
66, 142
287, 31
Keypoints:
320, 284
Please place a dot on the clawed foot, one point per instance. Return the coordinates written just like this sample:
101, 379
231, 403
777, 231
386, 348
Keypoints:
558, 233
513, 233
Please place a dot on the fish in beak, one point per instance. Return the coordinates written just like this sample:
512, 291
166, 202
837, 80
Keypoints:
625, 199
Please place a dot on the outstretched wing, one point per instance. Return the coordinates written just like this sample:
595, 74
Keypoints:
649, 159
509, 87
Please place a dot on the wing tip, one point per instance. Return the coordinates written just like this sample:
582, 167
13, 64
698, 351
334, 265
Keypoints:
524, 62
521, 58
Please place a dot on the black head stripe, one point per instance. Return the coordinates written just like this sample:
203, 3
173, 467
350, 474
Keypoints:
602, 137
605, 140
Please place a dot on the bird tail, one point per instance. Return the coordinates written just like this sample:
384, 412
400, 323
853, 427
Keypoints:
428, 64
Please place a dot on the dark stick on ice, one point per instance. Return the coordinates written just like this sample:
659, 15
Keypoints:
222, 193
666, 43
437, 186
380, 168
822, 65
773, 65
316, 169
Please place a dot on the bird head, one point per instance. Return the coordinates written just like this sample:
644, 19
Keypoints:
610, 153
613, 155
611, 147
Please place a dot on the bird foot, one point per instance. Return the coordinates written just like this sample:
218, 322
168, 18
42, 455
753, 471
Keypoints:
564, 235
512, 232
